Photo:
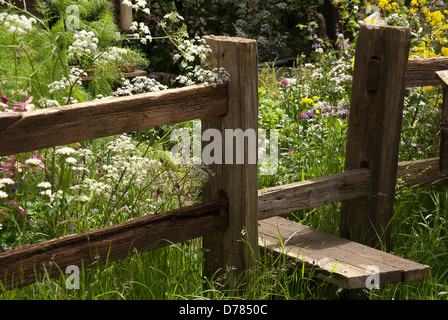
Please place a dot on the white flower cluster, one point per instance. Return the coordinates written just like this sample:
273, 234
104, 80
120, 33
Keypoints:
65, 151
44, 185
125, 166
337, 77
95, 187
112, 54
74, 77
139, 4
122, 144
141, 31
190, 50
137, 85
396, 19
173, 17
199, 75
340, 76
17, 24
48, 103
6, 181
86, 43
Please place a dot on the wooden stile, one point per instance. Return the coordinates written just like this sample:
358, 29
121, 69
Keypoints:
228, 220
233, 249
374, 130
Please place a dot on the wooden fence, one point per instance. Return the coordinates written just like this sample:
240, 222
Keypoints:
366, 189
232, 105
228, 219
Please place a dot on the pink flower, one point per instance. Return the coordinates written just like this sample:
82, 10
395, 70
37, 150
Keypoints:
22, 106
284, 82
15, 203
25, 105
3, 98
9, 167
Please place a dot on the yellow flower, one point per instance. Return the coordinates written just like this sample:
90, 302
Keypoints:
445, 52
316, 98
307, 101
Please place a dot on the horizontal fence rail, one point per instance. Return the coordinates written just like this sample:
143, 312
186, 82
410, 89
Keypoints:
312, 193
38, 129
338, 187
21, 265
422, 72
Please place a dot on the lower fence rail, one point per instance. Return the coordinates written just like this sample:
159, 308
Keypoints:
26, 264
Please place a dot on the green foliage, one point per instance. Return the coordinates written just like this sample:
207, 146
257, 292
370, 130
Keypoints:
272, 23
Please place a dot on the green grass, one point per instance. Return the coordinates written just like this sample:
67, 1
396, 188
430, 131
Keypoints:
174, 273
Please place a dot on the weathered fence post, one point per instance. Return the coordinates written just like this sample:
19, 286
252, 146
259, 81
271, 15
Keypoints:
443, 162
230, 253
125, 16
379, 84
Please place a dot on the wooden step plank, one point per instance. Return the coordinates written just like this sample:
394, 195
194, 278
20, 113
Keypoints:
347, 268
331, 246
345, 261
345, 249
323, 267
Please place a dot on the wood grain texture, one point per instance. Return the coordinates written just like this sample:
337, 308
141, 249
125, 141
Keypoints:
420, 173
422, 72
374, 131
94, 119
233, 248
341, 261
284, 199
21, 265
313, 193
